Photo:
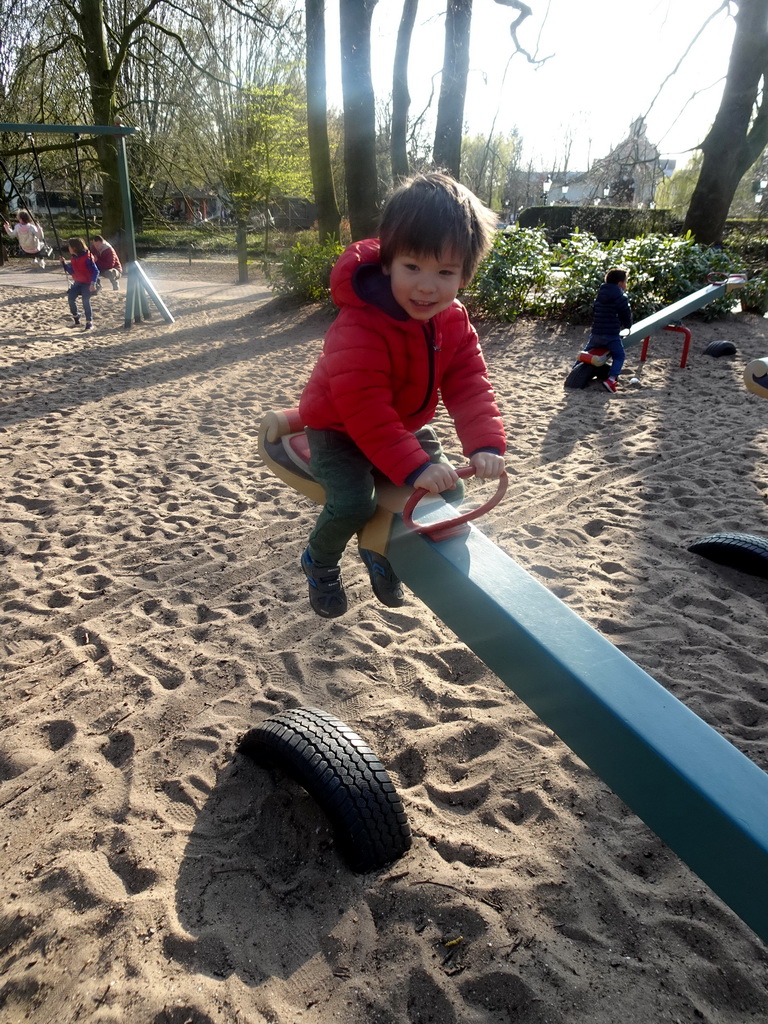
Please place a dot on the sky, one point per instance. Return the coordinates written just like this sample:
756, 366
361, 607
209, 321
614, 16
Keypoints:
607, 61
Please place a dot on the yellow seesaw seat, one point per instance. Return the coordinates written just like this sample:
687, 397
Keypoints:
756, 377
284, 447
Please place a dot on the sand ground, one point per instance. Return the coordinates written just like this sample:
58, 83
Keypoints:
153, 610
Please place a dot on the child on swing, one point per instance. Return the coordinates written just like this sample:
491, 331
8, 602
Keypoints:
30, 237
400, 342
84, 274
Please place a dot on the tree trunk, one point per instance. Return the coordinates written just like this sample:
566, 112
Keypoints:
359, 116
241, 244
328, 216
101, 81
453, 88
401, 99
740, 130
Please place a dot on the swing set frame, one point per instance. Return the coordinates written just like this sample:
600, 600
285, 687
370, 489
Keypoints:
139, 289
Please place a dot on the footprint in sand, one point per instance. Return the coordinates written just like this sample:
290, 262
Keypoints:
119, 748
58, 733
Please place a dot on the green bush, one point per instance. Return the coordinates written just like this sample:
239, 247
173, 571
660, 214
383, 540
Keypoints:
664, 269
751, 247
754, 294
514, 278
563, 280
305, 270
607, 223
523, 274
582, 262
202, 239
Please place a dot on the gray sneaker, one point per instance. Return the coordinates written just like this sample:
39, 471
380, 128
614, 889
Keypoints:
386, 586
326, 591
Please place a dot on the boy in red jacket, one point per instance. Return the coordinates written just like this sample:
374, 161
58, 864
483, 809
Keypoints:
400, 343
106, 260
85, 274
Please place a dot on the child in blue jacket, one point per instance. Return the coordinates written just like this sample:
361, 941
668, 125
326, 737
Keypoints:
610, 313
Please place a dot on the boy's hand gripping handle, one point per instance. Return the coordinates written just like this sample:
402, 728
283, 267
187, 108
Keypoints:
451, 527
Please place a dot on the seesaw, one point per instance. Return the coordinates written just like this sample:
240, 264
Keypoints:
594, 362
693, 788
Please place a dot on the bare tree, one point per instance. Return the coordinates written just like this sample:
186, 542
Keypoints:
525, 12
359, 115
453, 88
94, 40
328, 216
401, 99
740, 129
254, 132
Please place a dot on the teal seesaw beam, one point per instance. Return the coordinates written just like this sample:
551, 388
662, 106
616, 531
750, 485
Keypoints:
695, 790
670, 314
138, 285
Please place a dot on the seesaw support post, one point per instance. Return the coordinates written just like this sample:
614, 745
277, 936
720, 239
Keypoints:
697, 792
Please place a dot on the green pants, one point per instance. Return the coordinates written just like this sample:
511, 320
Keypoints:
350, 495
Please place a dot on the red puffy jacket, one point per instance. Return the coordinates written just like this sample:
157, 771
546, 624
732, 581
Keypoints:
381, 373
82, 268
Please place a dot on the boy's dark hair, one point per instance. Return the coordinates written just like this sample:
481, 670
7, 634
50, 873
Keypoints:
98, 238
615, 276
431, 214
25, 216
77, 244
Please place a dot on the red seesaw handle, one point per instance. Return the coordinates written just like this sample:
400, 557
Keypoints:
450, 527
719, 277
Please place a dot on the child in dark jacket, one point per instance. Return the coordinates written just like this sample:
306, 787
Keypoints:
85, 274
610, 313
106, 260
400, 342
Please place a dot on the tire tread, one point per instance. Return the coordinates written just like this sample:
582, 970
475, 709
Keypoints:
720, 348
580, 375
341, 772
742, 551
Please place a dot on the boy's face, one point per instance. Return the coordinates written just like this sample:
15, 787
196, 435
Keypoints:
423, 285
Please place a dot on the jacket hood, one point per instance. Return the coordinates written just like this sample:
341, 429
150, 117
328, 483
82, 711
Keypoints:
358, 280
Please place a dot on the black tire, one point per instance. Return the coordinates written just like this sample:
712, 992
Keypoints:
340, 771
580, 376
741, 551
720, 348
